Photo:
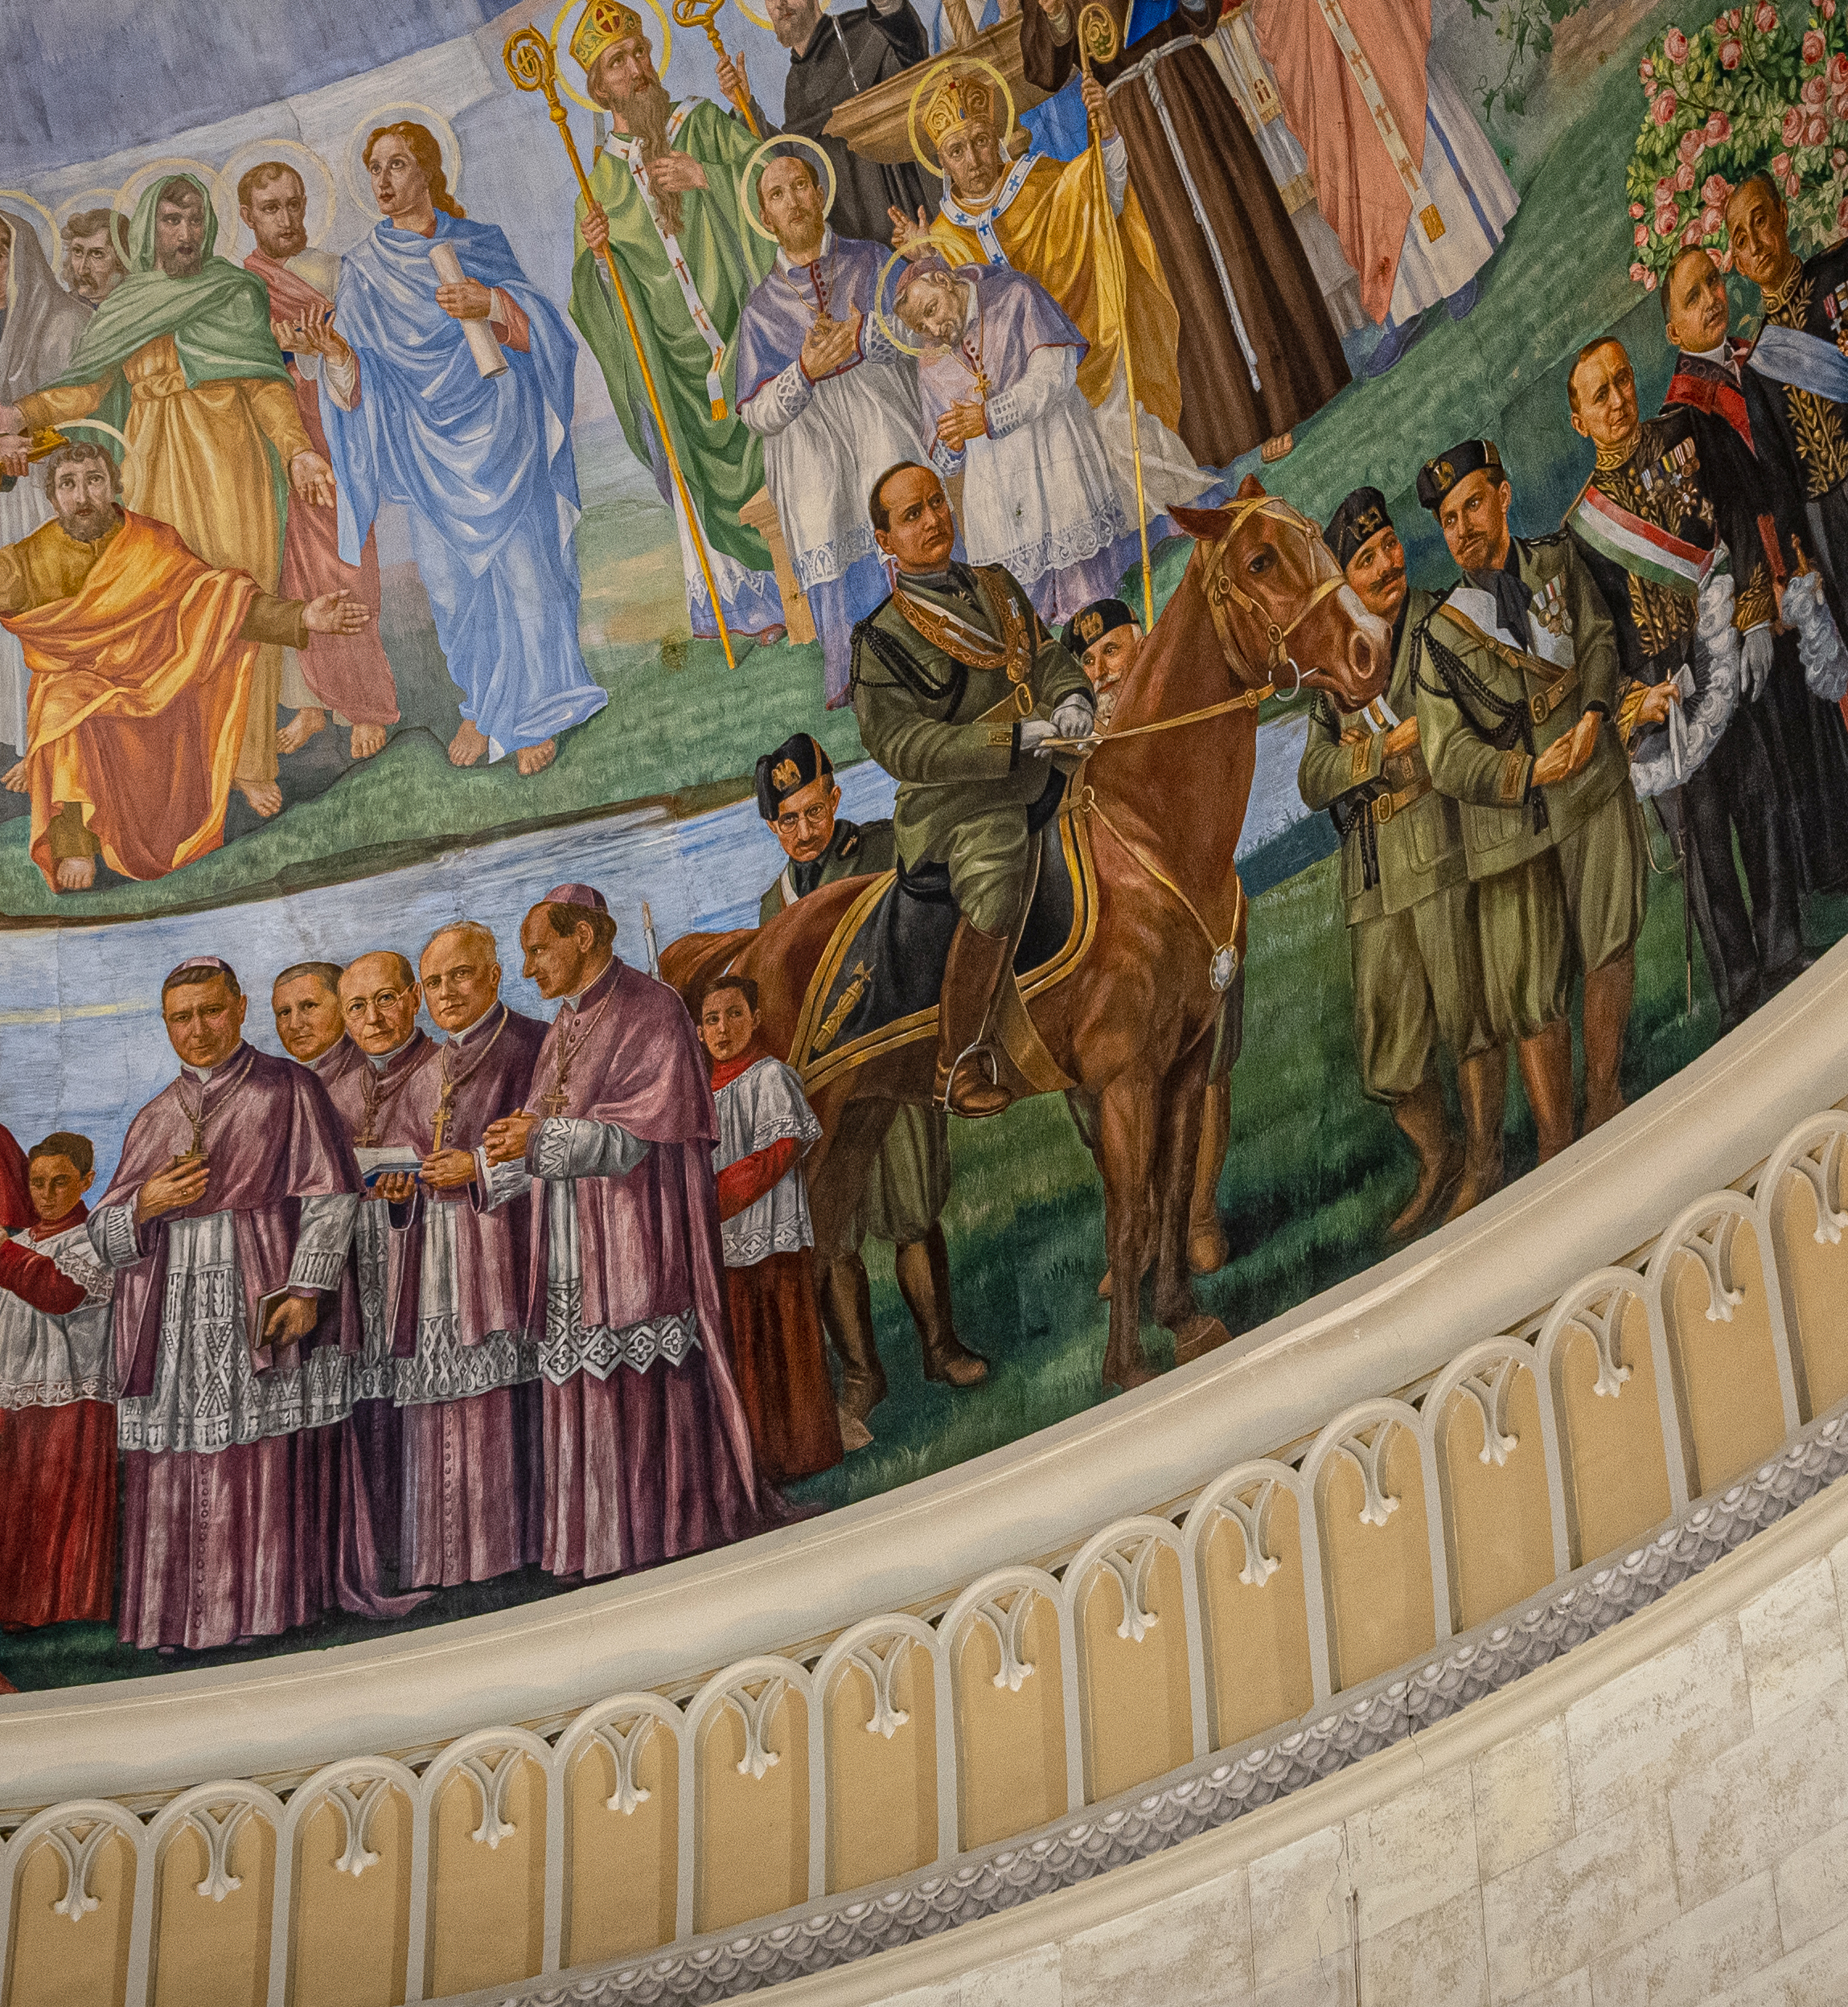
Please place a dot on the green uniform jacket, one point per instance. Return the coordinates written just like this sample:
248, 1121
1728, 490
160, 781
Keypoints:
1417, 850
1477, 723
923, 716
721, 458
855, 850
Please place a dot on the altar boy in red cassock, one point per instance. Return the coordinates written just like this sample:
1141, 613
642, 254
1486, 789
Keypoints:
647, 1451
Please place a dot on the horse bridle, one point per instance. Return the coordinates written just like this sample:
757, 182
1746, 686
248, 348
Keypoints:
1216, 583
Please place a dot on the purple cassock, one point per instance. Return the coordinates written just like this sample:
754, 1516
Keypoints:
1038, 495
828, 439
647, 1451
244, 1513
368, 1097
467, 1363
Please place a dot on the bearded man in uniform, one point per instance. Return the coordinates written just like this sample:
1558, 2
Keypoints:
797, 796
1517, 690
1412, 917
958, 687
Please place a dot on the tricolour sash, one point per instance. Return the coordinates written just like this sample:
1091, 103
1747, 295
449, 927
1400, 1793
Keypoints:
1646, 550
1793, 355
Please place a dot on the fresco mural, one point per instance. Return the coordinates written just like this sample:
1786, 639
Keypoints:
744, 751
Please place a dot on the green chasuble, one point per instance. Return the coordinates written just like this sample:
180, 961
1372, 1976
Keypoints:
722, 459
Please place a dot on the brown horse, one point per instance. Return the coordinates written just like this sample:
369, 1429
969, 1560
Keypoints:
1165, 791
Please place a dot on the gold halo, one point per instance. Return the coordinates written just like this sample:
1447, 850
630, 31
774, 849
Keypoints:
577, 96
781, 139
359, 181
317, 181
96, 424
49, 245
929, 77
884, 327
89, 199
129, 195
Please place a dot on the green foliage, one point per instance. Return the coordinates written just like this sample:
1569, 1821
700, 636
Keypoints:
1747, 94
1526, 26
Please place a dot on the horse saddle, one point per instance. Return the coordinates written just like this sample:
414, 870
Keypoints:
877, 986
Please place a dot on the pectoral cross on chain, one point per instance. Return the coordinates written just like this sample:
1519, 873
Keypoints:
445, 1098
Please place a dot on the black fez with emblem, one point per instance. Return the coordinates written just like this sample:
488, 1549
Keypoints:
1355, 525
1091, 623
799, 760
1436, 478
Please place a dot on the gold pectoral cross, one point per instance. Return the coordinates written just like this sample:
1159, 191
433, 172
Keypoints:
444, 1110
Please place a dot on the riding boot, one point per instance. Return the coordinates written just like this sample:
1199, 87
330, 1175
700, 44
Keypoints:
978, 961
847, 1316
1206, 1249
923, 1272
1546, 1073
1482, 1087
1421, 1115
1607, 993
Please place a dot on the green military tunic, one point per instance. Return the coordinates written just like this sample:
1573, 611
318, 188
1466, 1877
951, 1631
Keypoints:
1559, 868
910, 1181
949, 731
1410, 908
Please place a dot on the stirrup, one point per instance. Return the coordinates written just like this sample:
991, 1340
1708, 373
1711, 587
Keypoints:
979, 1048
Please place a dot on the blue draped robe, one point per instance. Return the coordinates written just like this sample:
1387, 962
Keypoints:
484, 465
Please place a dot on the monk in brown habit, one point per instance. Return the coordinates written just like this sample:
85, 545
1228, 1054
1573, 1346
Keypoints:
142, 657
1261, 353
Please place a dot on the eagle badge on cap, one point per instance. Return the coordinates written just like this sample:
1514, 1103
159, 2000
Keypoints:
1090, 626
785, 775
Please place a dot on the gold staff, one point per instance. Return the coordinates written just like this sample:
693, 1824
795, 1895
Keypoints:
1097, 42
699, 14
530, 63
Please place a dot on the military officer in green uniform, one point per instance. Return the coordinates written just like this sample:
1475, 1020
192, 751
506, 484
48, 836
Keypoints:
909, 1186
958, 688
1412, 935
1517, 675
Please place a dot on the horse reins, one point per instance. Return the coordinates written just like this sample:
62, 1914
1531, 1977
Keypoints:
1218, 587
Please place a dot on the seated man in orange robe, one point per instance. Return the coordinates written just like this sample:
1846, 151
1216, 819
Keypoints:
142, 657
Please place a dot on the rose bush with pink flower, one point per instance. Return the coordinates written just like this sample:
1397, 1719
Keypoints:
1675, 45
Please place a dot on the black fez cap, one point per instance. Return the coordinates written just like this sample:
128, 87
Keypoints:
1356, 523
797, 761
1436, 478
1091, 623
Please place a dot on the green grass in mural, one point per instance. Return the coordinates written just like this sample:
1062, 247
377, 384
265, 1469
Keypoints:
1313, 1173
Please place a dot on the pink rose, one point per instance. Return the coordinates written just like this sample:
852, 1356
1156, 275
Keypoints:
1815, 90
1665, 108
1715, 191
1814, 48
1650, 282
1827, 10
1645, 69
1792, 187
1641, 236
1838, 71
1690, 236
1684, 177
1675, 45
1791, 131
1668, 221
1649, 93
1816, 131
1719, 129
1693, 145
1731, 52
1764, 19
1639, 275
1710, 221
1636, 207
1781, 166
1724, 260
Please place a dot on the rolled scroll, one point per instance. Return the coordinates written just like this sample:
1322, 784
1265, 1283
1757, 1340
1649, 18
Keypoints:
483, 346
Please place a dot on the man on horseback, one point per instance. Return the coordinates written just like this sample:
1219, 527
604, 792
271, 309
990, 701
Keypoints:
1517, 680
1410, 908
958, 689
909, 1186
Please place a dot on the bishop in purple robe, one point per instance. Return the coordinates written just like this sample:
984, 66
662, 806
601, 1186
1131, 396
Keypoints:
647, 1450
467, 1361
228, 1223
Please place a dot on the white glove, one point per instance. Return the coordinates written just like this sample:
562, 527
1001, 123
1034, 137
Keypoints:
1757, 661
1818, 645
1034, 732
1074, 717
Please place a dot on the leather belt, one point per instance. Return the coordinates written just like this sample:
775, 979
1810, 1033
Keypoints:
1544, 703
1385, 807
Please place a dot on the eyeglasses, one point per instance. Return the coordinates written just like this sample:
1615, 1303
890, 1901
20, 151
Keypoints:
379, 1000
814, 818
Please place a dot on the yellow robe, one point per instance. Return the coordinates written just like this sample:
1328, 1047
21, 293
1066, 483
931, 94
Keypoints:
197, 460
1054, 230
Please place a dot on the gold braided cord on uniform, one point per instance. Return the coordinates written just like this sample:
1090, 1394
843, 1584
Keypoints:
948, 631
1822, 442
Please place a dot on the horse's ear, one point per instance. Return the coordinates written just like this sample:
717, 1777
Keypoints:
1249, 487
1204, 526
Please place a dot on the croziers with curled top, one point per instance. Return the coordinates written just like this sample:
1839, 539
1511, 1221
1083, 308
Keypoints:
960, 693
910, 1185
1516, 679
1409, 906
